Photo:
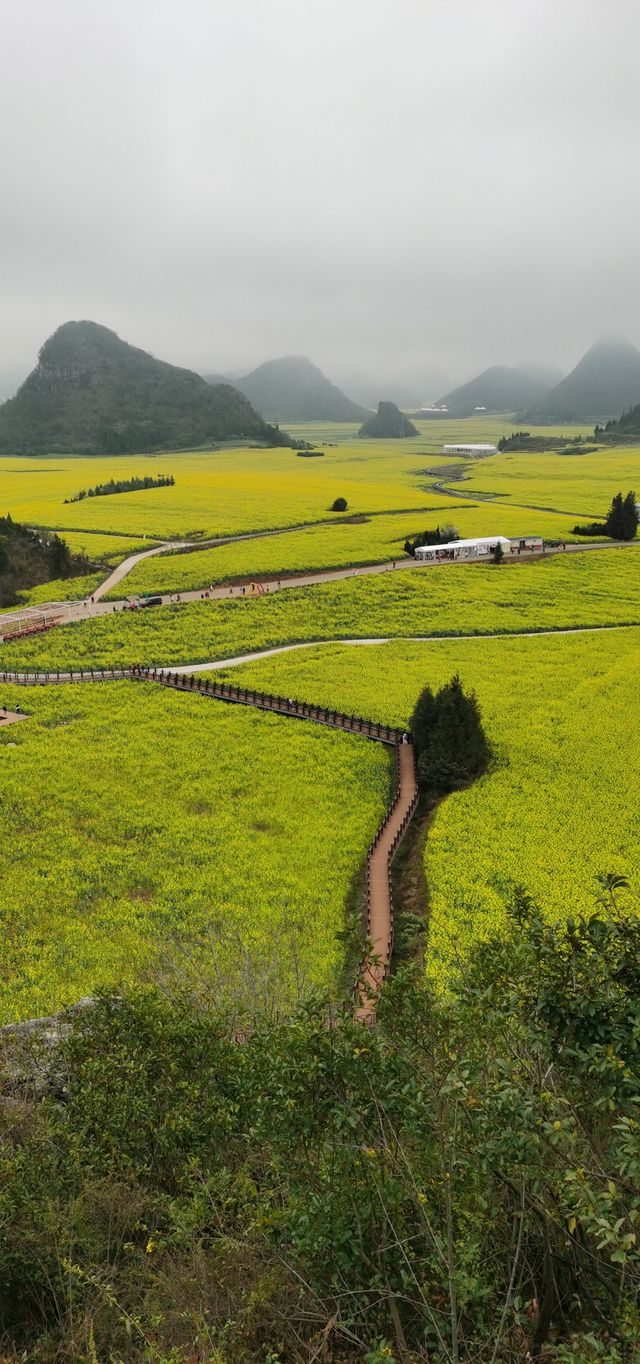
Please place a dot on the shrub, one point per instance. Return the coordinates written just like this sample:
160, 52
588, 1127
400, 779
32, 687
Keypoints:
340, 504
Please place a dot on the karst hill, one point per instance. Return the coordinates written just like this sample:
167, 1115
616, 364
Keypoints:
498, 389
293, 389
603, 384
388, 422
92, 393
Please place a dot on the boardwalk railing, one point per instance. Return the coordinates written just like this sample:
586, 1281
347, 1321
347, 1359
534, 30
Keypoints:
41, 679
282, 705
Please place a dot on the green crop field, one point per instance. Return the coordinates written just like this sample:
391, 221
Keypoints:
146, 830
600, 587
559, 804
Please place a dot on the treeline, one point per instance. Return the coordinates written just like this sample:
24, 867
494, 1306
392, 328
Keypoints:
123, 485
461, 1183
621, 522
626, 425
28, 558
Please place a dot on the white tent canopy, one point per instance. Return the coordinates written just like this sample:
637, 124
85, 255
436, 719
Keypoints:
464, 549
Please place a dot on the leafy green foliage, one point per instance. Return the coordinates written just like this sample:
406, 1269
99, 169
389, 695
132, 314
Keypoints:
461, 1182
623, 517
28, 558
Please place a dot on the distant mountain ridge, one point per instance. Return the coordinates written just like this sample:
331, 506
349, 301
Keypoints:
603, 384
92, 393
293, 389
497, 389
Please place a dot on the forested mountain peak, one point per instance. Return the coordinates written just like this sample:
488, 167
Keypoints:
91, 393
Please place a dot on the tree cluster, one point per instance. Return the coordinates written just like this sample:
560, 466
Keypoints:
442, 535
622, 520
123, 485
628, 424
516, 441
450, 743
28, 558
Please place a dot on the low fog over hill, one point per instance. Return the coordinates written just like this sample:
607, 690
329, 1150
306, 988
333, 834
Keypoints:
294, 389
604, 382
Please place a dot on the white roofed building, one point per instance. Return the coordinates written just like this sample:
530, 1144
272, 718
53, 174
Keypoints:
479, 547
480, 449
482, 546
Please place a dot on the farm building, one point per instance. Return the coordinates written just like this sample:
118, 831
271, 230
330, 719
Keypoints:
527, 544
481, 449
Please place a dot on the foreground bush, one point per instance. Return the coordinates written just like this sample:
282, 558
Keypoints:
461, 1183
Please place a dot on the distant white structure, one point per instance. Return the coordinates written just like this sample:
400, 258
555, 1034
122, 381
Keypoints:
469, 449
480, 547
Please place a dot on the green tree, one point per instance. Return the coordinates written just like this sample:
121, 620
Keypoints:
340, 504
451, 745
498, 553
423, 719
631, 515
622, 519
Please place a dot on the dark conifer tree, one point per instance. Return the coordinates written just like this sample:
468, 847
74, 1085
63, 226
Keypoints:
615, 522
450, 741
631, 516
423, 719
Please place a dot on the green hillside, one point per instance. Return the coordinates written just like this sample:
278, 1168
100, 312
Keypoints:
92, 393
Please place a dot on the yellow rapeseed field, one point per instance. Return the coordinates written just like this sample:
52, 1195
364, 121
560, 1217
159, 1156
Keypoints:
558, 806
580, 484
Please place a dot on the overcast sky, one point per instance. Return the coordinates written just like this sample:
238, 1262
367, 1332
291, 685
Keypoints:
388, 186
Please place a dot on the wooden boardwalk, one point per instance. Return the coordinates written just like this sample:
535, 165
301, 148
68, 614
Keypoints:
379, 898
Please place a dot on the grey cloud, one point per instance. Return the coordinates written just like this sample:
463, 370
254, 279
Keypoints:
386, 185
